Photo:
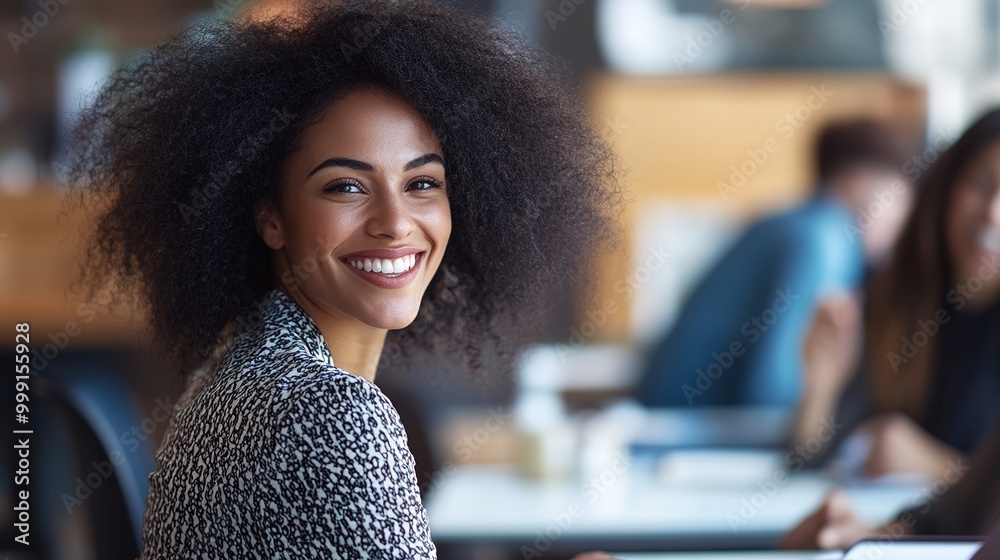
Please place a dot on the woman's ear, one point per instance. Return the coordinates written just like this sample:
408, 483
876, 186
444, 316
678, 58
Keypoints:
269, 226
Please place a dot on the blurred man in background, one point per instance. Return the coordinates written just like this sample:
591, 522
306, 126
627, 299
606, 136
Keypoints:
738, 338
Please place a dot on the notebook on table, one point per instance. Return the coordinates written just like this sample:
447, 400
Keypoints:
915, 548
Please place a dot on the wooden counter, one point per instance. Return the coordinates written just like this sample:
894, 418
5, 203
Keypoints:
40, 254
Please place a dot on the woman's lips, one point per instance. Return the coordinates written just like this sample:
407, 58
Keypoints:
373, 269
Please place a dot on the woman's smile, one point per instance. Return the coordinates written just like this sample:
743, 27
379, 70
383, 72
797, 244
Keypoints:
386, 268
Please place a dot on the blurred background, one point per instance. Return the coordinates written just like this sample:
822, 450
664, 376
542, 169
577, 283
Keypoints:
714, 107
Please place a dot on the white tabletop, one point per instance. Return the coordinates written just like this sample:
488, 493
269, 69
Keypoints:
766, 555
893, 550
471, 503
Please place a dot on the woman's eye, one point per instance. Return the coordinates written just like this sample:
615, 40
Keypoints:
345, 188
425, 184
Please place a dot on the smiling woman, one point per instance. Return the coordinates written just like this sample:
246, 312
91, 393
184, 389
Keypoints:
377, 203
292, 194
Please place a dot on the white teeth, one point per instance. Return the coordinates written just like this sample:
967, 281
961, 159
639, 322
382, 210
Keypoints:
385, 266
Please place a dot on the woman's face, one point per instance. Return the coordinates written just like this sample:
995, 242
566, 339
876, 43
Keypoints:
973, 222
364, 218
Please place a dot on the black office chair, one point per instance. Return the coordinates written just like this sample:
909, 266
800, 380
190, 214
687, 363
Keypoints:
96, 408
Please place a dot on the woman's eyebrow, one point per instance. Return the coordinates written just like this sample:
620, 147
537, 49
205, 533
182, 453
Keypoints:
423, 160
343, 162
358, 165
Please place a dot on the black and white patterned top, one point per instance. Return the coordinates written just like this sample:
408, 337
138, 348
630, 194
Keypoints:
278, 453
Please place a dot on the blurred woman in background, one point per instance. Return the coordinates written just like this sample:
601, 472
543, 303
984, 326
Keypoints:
924, 396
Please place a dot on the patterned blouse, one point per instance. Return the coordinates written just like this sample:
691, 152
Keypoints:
278, 453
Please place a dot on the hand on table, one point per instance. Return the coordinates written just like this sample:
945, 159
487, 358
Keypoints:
832, 343
833, 525
829, 354
593, 556
899, 445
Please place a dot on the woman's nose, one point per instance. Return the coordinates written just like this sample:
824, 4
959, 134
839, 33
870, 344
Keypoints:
390, 217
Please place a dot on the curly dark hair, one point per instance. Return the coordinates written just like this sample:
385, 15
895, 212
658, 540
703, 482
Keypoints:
185, 142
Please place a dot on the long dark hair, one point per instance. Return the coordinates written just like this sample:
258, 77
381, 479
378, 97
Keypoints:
913, 287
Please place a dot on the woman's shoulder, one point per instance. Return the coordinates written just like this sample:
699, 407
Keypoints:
279, 389
328, 391
337, 418
295, 386
285, 360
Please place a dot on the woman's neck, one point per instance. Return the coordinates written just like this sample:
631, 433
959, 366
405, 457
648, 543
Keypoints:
355, 347
355, 350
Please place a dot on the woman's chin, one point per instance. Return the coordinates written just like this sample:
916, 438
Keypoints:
392, 320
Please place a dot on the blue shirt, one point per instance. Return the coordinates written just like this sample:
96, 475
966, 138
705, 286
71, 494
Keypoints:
738, 338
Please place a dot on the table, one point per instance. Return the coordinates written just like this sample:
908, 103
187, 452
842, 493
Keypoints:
756, 555
635, 510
